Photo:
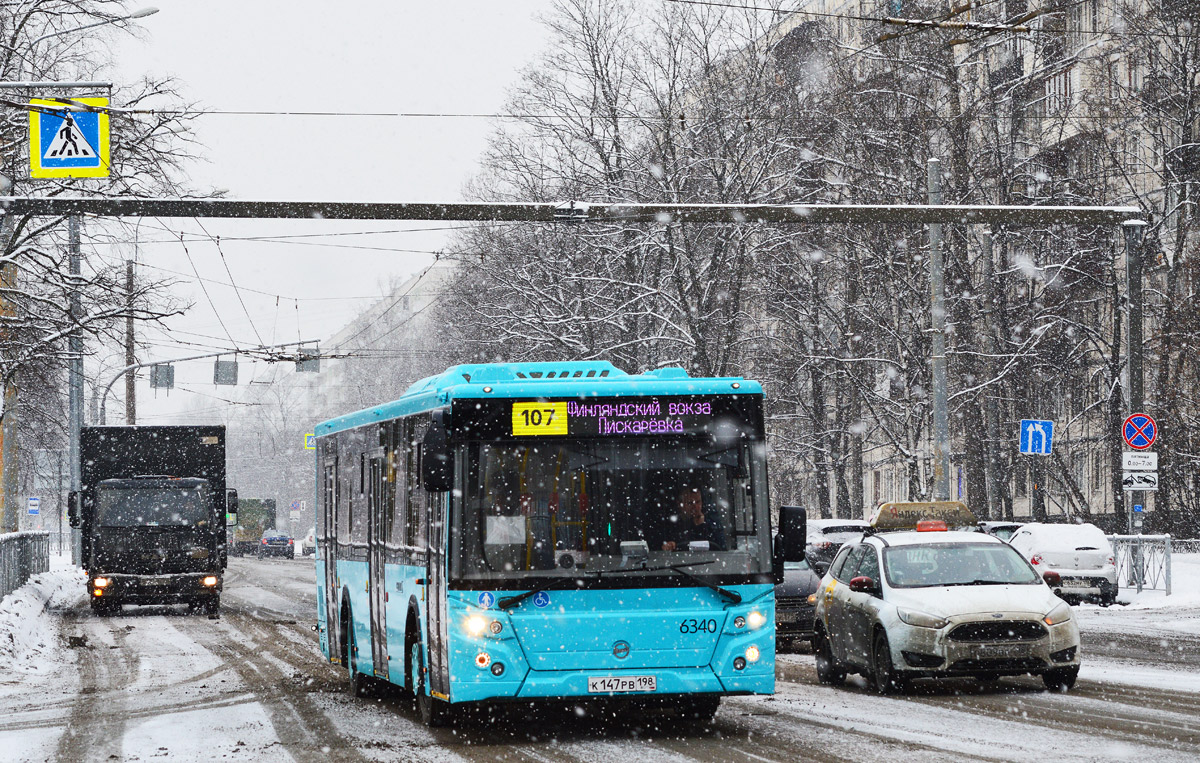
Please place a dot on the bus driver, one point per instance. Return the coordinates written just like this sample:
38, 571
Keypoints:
692, 523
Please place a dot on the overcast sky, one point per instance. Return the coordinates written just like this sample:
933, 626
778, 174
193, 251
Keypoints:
339, 58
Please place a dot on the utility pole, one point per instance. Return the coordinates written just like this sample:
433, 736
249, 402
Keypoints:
10, 521
941, 416
1133, 285
131, 377
74, 365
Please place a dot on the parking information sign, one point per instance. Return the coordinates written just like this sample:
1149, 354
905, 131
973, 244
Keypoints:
1140, 431
68, 143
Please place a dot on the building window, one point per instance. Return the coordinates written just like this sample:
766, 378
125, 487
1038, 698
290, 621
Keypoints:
1097, 472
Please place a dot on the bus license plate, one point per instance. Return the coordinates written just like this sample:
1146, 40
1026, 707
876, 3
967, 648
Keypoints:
616, 684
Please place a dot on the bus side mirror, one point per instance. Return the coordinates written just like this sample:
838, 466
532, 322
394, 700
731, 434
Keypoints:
793, 526
73, 508
790, 541
231, 508
437, 459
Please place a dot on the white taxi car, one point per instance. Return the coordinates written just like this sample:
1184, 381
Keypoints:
902, 604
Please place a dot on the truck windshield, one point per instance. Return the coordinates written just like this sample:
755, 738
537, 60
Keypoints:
139, 507
551, 508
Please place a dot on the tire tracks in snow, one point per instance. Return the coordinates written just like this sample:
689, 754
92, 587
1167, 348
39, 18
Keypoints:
302, 728
96, 725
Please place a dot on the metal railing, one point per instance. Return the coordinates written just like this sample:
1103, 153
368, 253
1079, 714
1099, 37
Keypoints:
1143, 561
22, 555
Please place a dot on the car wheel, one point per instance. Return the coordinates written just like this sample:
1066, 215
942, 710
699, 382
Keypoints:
1061, 679
885, 677
828, 670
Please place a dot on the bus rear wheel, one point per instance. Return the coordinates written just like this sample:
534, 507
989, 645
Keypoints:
360, 685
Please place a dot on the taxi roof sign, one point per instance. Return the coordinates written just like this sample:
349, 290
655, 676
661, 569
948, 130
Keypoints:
904, 515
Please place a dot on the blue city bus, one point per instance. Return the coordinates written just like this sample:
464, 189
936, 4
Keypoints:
539, 531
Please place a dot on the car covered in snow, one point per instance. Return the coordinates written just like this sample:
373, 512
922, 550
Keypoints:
309, 544
901, 604
826, 536
1002, 530
1081, 555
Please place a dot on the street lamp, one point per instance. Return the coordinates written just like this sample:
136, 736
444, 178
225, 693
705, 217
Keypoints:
143, 13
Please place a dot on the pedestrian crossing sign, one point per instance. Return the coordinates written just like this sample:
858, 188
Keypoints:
65, 142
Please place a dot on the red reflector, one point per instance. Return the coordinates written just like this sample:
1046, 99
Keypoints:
931, 526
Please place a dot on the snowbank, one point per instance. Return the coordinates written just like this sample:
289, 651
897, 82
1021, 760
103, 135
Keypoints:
28, 633
1185, 587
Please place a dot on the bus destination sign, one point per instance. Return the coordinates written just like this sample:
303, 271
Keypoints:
677, 415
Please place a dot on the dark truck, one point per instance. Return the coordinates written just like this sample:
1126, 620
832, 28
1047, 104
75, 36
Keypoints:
152, 515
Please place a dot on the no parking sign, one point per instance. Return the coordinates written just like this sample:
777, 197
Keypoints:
1140, 431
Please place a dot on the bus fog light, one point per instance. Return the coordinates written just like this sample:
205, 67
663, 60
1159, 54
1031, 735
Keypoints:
739, 622
739, 663
498, 669
482, 660
209, 581
475, 625
100, 582
756, 619
752, 653
495, 627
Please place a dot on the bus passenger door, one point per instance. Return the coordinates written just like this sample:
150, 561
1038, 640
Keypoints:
436, 607
328, 550
376, 550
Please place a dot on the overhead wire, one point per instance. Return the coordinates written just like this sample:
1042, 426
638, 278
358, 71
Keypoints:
217, 240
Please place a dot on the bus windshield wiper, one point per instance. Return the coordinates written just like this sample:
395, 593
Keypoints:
733, 596
512, 601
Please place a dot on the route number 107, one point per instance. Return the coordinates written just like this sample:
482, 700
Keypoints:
540, 418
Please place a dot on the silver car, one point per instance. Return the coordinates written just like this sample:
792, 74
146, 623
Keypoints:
1080, 554
906, 605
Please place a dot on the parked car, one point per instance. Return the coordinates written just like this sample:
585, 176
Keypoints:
309, 544
795, 600
1002, 530
277, 543
825, 538
1080, 554
908, 604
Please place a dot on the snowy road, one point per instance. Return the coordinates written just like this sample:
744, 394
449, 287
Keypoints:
158, 684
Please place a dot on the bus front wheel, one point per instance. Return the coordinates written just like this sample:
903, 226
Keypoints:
433, 711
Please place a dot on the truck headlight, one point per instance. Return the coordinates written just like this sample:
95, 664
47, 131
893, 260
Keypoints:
100, 582
1060, 614
209, 581
920, 619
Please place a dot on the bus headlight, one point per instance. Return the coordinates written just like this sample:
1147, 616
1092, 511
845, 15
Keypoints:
475, 625
100, 582
756, 619
752, 653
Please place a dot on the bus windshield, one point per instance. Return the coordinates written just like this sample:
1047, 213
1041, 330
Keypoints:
555, 508
153, 506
